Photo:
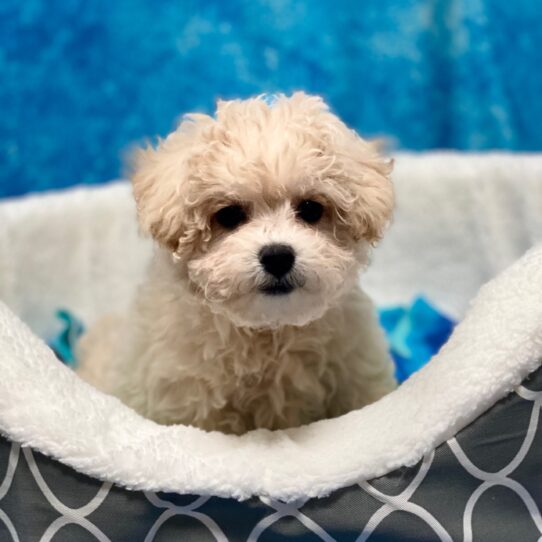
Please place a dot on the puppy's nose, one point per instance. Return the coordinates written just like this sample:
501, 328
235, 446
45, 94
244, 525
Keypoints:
277, 259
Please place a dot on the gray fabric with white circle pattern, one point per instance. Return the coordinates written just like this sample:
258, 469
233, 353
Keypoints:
485, 484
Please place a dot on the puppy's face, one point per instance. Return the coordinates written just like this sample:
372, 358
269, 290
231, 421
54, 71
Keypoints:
269, 211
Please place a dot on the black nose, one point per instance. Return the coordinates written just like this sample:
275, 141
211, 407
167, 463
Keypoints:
277, 259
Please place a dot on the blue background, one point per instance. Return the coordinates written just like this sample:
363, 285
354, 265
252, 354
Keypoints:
83, 81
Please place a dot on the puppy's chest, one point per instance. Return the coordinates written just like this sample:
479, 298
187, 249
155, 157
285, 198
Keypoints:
263, 362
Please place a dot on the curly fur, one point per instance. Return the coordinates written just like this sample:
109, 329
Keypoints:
202, 344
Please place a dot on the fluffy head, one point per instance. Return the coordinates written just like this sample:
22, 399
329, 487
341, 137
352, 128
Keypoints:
219, 189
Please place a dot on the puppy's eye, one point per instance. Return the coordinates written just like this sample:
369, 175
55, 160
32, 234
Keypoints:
231, 216
310, 211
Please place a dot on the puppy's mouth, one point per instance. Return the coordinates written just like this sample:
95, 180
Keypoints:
282, 286
277, 288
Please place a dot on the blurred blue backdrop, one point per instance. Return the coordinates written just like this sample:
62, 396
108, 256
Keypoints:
82, 81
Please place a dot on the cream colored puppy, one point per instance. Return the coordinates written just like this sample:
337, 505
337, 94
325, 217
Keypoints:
251, 315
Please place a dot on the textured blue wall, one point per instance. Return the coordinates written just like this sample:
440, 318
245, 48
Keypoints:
81, 81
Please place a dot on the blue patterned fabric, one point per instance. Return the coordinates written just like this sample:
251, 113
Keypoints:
82, 81
64, 342
415, 334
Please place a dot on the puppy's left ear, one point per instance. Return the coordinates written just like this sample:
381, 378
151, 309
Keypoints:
369, 181
363, 192
365, 196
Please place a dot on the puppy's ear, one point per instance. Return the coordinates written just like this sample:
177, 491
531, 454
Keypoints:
365, 193
160, 179
373, 200
157, 180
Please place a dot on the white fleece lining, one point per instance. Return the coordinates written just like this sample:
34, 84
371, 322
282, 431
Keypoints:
460, 219
44, 405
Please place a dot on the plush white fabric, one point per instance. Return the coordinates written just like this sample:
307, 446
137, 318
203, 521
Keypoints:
460, 220
45, 405
78, 249
71, 250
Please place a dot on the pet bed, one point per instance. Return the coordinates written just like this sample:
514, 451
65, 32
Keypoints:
453, 454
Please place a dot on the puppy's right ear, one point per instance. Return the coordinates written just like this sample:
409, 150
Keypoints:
160, 179
157, 178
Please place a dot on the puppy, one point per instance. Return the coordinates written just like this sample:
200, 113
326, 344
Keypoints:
251, 315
